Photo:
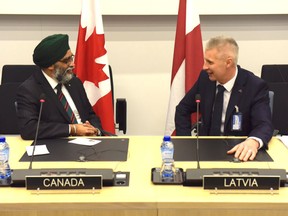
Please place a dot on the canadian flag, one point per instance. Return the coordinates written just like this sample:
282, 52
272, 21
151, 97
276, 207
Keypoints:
187, 60
91, 63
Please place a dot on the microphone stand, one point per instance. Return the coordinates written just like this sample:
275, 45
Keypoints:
37, 129
197, 128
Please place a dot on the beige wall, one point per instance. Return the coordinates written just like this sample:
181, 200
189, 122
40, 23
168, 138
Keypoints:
140, 50
145, 7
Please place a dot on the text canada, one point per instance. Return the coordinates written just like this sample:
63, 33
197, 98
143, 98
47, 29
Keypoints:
240, 182
63, 182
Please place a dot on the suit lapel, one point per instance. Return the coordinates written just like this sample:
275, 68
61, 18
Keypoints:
236, 95
51, 94
210, 89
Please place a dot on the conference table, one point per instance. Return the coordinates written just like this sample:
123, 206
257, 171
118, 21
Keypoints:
142, 197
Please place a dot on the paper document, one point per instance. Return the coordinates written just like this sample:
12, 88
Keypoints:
39, 150
85, 141
284, 140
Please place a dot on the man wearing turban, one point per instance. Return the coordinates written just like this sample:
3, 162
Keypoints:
74, 116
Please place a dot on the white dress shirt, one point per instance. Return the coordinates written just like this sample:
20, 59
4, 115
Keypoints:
71, 103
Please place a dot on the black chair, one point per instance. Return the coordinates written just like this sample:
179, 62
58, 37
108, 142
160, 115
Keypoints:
271, 101
275, 73
17, 73
8, 117
280, 106
121, 108
121, 114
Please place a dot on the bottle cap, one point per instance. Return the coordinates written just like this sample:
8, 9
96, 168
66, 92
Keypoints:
167, 138
2, 139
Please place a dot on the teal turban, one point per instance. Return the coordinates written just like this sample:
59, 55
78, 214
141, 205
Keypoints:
50, 50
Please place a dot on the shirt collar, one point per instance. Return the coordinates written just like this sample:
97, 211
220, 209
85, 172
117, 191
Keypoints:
229, 85
53, 83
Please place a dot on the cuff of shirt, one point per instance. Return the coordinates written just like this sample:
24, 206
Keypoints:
258, 140
99, 133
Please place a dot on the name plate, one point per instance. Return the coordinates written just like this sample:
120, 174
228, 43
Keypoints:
241, 182
64, 182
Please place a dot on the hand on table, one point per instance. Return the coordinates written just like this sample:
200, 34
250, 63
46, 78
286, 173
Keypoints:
246, 150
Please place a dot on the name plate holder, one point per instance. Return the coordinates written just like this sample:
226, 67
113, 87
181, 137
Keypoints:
64, 182
234, 183
156, 177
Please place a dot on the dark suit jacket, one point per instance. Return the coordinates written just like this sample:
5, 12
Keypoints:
54, 119
249, 93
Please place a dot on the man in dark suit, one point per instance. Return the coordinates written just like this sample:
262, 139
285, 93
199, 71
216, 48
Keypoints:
76, 117
245, 101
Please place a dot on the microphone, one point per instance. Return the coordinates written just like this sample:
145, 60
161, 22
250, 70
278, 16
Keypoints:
42, 100
197, 99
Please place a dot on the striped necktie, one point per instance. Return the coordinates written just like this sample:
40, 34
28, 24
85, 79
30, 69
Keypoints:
65, 104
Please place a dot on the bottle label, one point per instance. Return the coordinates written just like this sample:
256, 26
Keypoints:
3, 157
167, 170
167, 155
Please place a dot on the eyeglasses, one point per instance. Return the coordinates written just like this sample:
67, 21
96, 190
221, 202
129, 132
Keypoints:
67, 60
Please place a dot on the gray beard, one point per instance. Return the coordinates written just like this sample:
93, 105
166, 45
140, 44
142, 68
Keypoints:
62, 76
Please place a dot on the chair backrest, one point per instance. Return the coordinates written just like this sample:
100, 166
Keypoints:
271, 101
121, 114
121, 107
275, 73
280, 106
8, 117
17, 73
112, 83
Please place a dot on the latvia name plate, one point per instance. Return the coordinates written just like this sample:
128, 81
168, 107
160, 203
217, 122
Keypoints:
241, 182
64, 182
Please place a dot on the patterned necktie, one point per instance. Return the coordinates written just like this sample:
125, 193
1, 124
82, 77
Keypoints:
65, 104
217, 113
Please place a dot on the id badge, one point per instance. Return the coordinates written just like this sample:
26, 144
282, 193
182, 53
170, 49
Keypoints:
237, 122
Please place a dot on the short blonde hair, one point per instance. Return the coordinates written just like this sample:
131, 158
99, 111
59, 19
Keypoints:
225, 46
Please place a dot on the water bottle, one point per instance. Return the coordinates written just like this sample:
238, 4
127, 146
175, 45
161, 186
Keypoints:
167, 152
5, 171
